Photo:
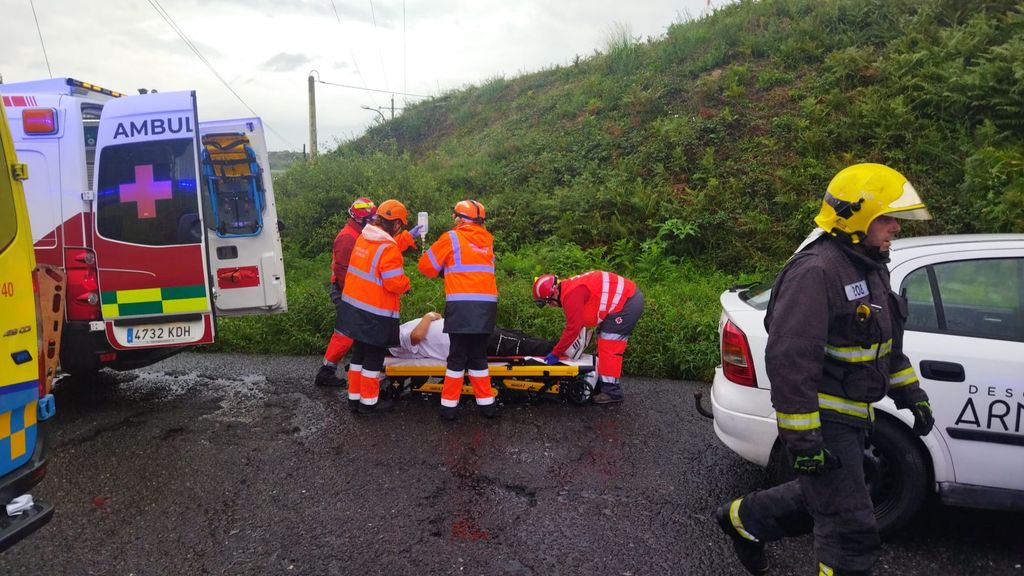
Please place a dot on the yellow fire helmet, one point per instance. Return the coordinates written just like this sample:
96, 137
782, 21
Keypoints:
862, 192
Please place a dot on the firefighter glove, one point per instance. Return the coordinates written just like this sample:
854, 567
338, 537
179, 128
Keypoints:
814, 463
551, 359
416, 231
923, 419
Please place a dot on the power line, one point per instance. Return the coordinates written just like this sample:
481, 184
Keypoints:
376, 38
372, 89
350, 53
40, 31
181, 34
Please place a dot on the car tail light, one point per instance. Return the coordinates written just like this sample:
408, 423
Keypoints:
737, 363
83, 302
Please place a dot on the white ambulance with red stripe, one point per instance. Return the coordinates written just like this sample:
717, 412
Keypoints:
162, 223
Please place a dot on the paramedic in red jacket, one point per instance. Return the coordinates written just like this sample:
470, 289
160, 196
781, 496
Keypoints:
360, 213
602, 300
465, 257
370, 303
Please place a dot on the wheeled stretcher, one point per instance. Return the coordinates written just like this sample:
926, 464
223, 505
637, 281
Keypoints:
526, 377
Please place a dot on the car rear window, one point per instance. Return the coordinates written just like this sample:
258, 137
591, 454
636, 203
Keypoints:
757, 295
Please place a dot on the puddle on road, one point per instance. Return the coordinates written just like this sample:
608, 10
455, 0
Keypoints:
241, 399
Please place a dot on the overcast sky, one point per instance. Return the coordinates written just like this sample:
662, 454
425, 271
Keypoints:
265, 49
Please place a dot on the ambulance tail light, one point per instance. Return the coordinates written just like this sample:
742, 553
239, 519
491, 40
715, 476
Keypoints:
39, 121
40, 356
83, 301
737, 361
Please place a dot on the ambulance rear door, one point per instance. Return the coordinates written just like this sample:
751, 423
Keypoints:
149, 241
246, 262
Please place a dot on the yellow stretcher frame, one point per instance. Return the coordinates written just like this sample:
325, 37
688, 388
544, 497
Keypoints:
509, 376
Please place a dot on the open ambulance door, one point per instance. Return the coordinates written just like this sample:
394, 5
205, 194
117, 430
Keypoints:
149, 242
246, 262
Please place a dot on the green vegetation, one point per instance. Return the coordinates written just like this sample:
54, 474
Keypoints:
687, 162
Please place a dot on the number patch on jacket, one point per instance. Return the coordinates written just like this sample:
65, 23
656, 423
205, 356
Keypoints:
857, 290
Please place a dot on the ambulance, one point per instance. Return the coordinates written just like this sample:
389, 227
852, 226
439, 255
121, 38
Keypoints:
160, 222
26, 406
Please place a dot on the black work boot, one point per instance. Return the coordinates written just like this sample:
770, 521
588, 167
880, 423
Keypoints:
327, 377
750, 553
489, 410
353, 406
449, 413
382, 405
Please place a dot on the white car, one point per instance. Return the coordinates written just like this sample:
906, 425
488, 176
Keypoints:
965, 337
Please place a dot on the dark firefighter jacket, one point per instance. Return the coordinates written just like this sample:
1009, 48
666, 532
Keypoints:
835, 342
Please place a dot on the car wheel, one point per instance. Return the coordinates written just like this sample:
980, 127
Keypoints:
895, 470
897, 475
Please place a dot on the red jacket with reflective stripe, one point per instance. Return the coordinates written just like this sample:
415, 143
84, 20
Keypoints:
370, 301
587, 299
466, 256
343, 244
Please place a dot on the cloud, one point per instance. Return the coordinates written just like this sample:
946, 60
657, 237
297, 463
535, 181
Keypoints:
284, 62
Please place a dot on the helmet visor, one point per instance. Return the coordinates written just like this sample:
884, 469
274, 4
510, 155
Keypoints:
908, 206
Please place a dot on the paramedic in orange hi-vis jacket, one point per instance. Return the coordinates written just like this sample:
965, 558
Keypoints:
370, 303
360, 213
465, 257
603, 300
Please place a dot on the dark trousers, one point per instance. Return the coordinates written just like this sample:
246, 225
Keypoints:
467, 352
368, 356
836, 505
504, 342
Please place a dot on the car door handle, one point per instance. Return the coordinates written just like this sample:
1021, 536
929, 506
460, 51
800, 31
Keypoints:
945, 371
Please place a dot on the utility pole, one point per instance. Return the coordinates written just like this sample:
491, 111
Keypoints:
392, 106
312, 117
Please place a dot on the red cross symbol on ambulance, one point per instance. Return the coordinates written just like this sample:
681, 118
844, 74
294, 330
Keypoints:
145, 191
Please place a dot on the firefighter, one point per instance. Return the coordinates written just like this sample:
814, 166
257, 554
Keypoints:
360, 213
835, 346
603, 300
465, 257
370, 302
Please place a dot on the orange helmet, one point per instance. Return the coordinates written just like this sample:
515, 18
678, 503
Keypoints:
362, 210
471, 210
393, 210
544, 289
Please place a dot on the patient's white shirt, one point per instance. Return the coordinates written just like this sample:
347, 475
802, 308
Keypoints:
435, 345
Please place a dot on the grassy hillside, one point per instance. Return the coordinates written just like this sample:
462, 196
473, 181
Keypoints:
688, 161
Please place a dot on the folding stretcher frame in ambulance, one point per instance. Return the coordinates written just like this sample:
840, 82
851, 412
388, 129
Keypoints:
571, 380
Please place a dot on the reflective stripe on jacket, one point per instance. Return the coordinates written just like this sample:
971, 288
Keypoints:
587, 299
370, 301
465, 255
835, 342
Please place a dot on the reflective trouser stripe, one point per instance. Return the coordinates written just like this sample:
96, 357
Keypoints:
858, 353
802, 421
824, 570
734, 517
451, 390
481, 381
354, 379
844, 406
369, 387
902, 378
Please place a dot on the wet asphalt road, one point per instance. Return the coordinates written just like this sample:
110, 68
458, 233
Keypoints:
229, 464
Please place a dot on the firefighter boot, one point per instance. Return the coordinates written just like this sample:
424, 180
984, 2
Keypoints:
326, 377
449, 413
749, 552
489, 410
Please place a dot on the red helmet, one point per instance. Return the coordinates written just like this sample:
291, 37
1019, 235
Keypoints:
393, 210
544, 289
362, 210
471, 210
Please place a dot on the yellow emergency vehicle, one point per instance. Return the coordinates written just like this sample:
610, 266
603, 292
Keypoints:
25, 402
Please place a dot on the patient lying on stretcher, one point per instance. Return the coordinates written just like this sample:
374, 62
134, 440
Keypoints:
425, 339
